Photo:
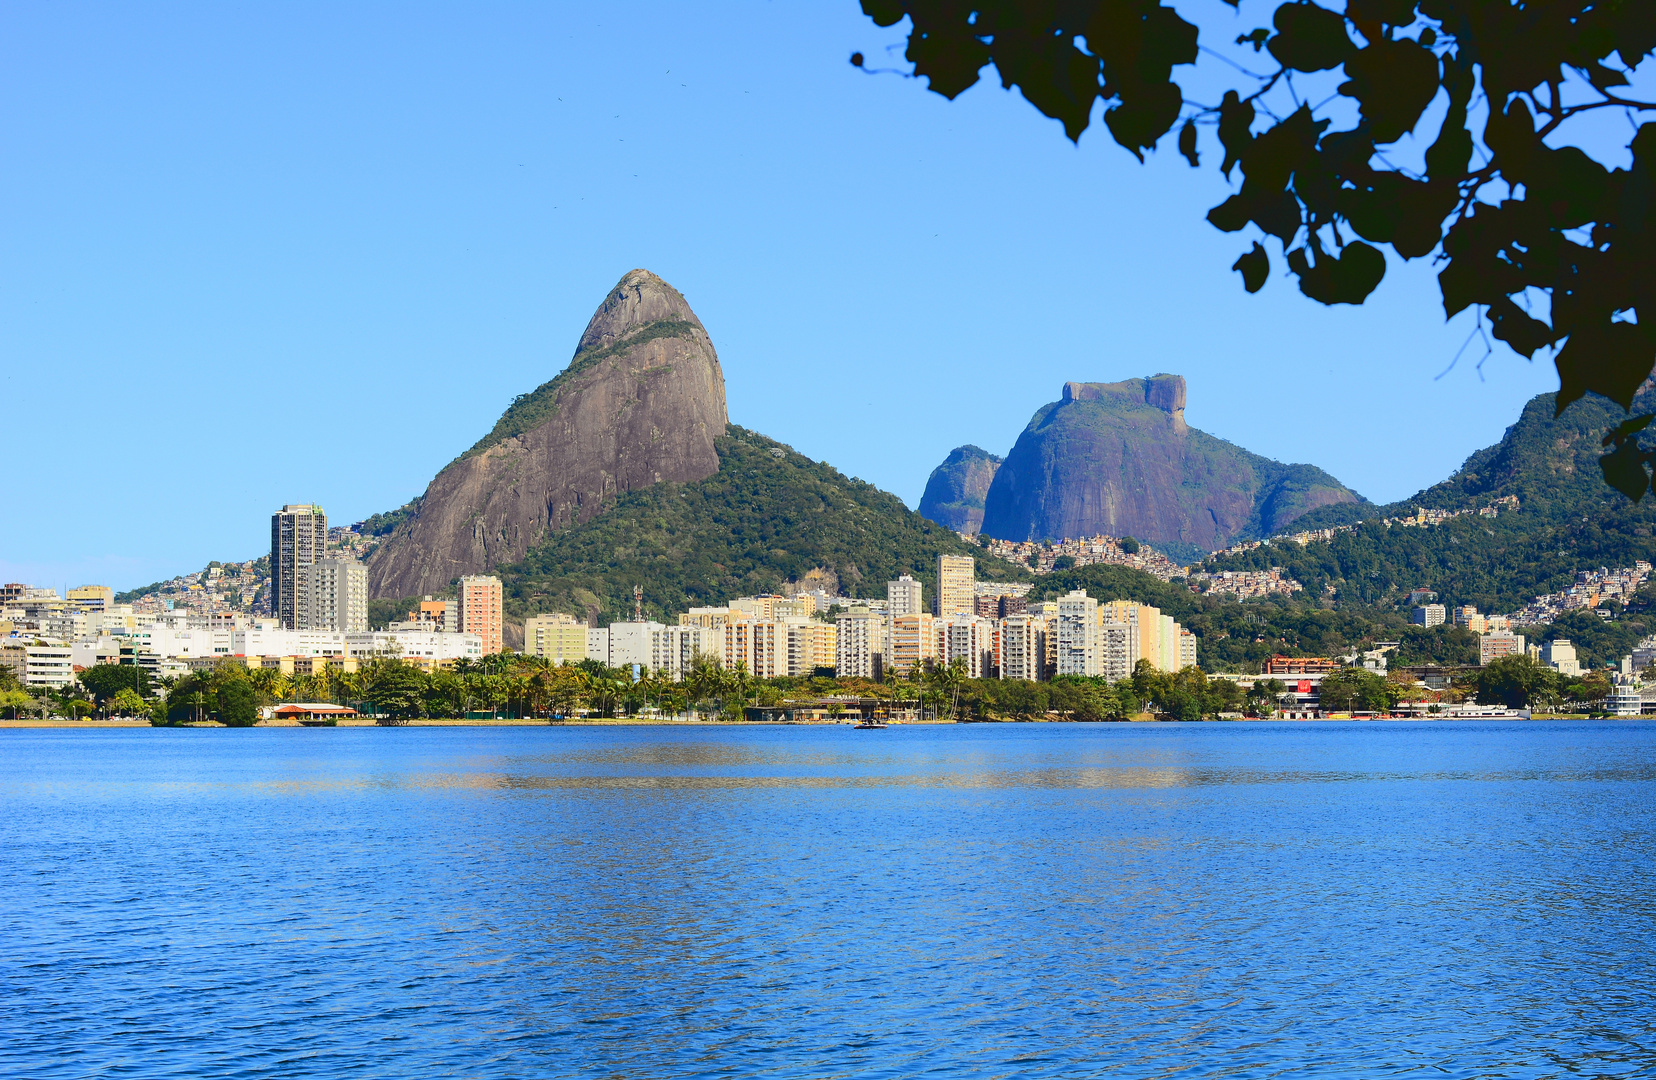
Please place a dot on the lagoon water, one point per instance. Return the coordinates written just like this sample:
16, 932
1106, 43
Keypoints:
1204, 900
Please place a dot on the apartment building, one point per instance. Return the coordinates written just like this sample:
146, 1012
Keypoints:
970, 639
298, 537
481, 606
334, 596
913, 642
956, 585
673, 649
1078, 624
903, 597
1022, 647
556, 637
752, 643
860, 644
809, 645
1495, 646
91, 599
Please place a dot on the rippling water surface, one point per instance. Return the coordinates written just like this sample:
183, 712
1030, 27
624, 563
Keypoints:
1214, 900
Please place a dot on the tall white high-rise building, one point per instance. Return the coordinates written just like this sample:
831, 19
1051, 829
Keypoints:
1078, 627
903, 597
1023, 647
298, 537
971, 639
860, 645
334, 596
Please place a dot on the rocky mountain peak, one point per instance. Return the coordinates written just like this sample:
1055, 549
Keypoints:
1118, 458
638, 300
641, 402
1164, 392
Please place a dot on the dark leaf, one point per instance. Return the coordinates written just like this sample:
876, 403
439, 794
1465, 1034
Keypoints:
1235, 118
884, 12
1513, 326
1139, 121
1187, 143
1421, 211
1390, 12
1627, 428
1231, 215
1255, 267
1393, 81
1278, 213
1256, 38
1309, 38
1569, 185
1347, 279
1609, 358
1449, 156
1624, 470
1511, 138
1273, 156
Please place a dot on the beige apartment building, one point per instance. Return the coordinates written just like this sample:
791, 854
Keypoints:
91, 598
914, 642
956, 585
557, 637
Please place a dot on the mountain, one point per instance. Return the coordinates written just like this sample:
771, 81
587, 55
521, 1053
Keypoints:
1119, 459
1567, 519
767, 517
641, 403
955, 492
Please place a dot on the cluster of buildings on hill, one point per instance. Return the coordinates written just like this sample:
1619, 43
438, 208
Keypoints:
989, 627
1591, 589
1116, 551
1245, 584
317, 620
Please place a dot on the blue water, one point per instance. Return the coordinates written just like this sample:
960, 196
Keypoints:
1214, 900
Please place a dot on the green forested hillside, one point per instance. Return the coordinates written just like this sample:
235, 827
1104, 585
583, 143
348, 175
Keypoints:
1568, 520
768, 516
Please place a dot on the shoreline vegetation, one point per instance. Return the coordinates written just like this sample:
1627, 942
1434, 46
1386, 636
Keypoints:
596, 722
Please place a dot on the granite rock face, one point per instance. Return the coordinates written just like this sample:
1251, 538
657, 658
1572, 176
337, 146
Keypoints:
640, 403
1119, 459
956, 490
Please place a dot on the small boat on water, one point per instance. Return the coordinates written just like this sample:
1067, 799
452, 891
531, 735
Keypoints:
870, 725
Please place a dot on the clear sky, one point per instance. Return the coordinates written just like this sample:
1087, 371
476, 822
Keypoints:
257, 254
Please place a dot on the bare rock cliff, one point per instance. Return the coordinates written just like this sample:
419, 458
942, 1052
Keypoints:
1119, 459
640, 403
956, 489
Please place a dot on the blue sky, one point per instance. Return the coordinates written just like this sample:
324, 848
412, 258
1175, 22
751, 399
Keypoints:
256, 254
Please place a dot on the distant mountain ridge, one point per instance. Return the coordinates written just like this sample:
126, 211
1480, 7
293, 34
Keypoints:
1119, 459
956, 489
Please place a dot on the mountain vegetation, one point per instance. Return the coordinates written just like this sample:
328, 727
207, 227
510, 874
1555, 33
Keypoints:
767, 517
1566, 521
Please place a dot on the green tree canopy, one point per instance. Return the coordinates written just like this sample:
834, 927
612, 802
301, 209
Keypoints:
1530, 224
